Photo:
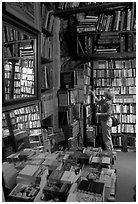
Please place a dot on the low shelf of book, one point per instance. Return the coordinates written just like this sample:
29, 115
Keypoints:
8, 144
22, 128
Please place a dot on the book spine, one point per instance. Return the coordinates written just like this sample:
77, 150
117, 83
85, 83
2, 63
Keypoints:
128, 26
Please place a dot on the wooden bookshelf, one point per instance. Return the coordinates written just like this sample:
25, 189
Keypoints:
106, 56
100, 36
47, 19
107, 33
97, 7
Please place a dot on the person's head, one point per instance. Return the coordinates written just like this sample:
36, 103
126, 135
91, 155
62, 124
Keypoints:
108, 94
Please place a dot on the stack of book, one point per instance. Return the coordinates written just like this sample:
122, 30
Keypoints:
32, 174
100, 161
69, 177
26, 49
108, 43
87, 24
55, 176
106, 176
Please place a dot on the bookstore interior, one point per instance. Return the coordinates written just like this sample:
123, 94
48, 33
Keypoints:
58, 60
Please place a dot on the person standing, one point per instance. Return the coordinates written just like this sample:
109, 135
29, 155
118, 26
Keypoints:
105, 117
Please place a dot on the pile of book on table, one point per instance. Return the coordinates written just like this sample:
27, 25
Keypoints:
78, 174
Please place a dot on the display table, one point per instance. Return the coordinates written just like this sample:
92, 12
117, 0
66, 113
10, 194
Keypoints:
79, 174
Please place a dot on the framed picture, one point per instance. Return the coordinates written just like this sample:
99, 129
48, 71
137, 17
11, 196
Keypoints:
29, 12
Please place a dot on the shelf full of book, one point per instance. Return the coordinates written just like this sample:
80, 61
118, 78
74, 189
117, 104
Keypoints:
106, 43
47, 19
120, 77
85, 100
69, 8
73, 97
8, 144
110, 32
21, 127
68, 106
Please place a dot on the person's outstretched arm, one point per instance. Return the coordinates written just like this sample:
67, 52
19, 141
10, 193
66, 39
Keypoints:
98, 101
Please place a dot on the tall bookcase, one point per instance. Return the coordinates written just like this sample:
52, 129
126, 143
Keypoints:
27, 76
106, 36
50, 66
20, 62
46, 54
20, 83
85, 99
119, 76
68, 107
30, 73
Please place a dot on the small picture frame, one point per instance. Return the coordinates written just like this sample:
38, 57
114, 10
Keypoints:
29, 12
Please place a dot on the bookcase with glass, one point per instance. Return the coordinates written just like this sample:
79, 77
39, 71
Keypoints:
27, 120
19, 63
21, 117
21, 128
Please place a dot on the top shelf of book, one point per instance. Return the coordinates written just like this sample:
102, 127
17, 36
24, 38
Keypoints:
67, 8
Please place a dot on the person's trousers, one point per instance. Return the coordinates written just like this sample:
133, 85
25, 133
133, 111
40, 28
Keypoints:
106, 134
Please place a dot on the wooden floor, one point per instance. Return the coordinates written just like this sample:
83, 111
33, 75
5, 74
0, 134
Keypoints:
126, 176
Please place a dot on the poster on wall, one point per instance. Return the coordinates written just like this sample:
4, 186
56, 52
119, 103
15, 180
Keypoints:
29, 12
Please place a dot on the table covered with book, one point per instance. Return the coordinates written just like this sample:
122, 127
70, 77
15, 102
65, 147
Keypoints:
76, 175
